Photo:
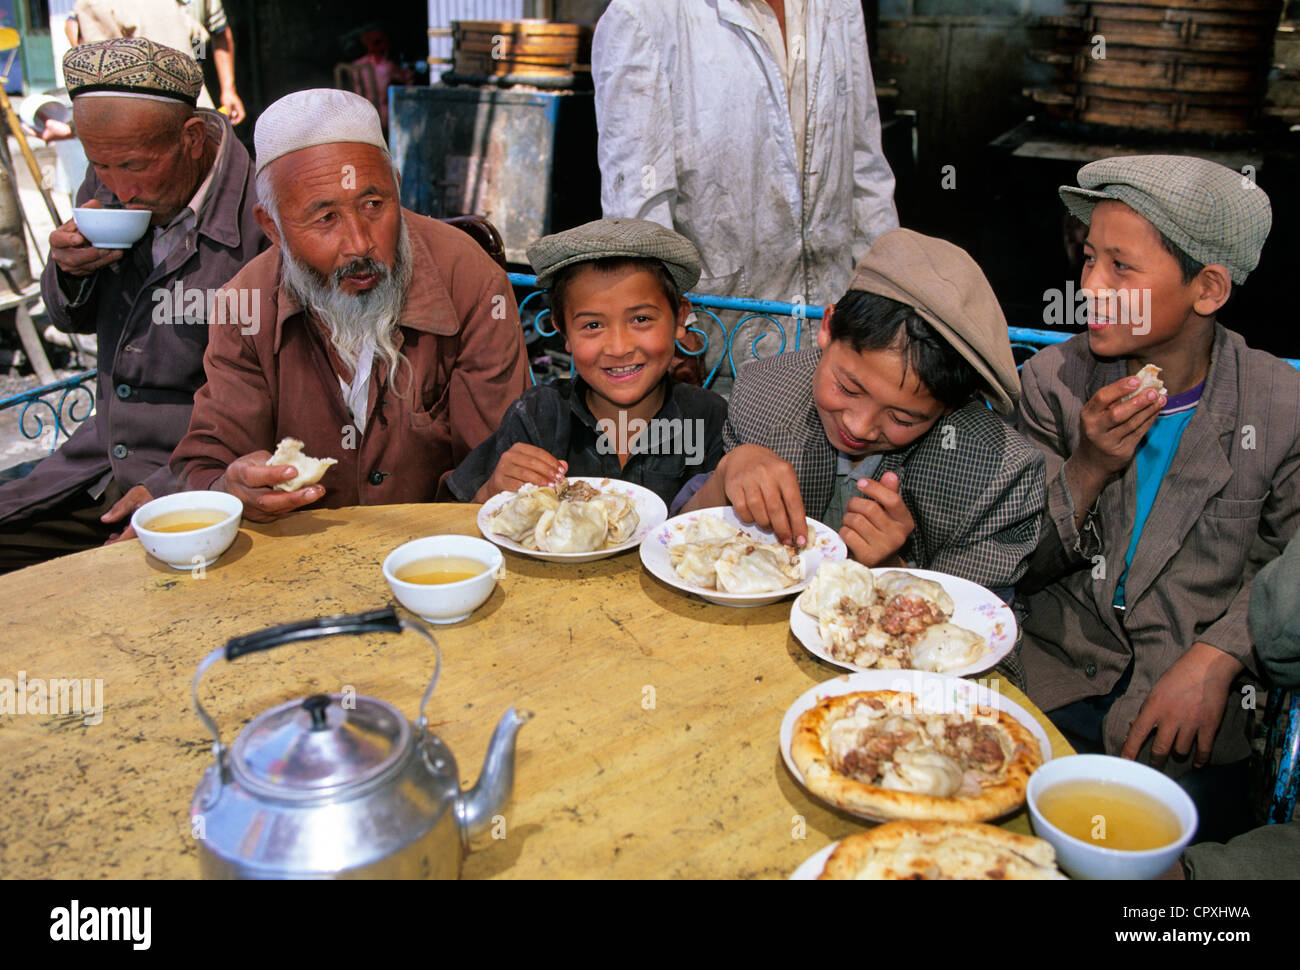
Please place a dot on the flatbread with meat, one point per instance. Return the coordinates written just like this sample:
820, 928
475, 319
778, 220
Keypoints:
879, 754
941, 850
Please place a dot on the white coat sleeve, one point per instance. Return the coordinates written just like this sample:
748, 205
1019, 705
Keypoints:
873, 180
638, 171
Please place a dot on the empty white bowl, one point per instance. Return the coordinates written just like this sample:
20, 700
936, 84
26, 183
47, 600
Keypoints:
1084, 860
194, 548
112, 228
445, 602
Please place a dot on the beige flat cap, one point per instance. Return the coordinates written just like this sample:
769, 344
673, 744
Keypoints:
1211, 212
606, 238
317, 116
948, 290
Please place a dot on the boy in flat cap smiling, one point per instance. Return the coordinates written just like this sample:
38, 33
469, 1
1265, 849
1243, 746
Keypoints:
882, 431
1165, 503
617, 294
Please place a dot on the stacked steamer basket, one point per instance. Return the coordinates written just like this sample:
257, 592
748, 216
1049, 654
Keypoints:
533, 52
1174, 66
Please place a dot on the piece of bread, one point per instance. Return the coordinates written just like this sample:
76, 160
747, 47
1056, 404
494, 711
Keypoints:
941, 850
1148, 378
310, 470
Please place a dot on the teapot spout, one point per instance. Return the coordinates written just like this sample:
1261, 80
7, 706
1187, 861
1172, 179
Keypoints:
476, 807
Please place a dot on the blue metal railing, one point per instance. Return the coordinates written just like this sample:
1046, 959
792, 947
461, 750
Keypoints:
1022, 338
64, 413
753, 310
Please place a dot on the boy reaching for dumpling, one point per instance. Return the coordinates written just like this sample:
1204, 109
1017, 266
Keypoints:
617, 295
882, 431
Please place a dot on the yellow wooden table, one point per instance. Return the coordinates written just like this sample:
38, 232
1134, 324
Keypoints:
653, 752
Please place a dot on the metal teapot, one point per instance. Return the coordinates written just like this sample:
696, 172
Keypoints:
314, 789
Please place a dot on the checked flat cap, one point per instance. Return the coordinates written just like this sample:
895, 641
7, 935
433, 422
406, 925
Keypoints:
1211, 212
949, 291
606, 238
132, 67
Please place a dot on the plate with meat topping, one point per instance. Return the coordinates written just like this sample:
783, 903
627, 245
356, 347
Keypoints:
910, 619
579, 520
905, 744
714, 555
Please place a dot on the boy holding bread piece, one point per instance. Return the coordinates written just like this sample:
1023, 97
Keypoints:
1173, 461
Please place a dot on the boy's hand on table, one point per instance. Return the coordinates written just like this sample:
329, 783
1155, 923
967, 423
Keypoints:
251, 480
876, 526
523, 464
764, 489
1185, 707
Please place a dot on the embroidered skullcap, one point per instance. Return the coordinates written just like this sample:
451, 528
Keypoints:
132, 67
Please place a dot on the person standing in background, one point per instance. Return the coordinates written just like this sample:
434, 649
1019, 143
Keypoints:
752, 129
210, 15
185, 25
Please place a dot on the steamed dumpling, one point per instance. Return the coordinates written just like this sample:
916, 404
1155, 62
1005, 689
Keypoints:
695, 562
836, 581
518, 517
695, 550
748, 567
922, 772
896, 583
621, 516
572, 527
946, 647
707, 528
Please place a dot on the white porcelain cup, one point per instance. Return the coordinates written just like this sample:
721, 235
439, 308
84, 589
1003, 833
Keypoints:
112, 228
197, 547
445, 602
1085, 860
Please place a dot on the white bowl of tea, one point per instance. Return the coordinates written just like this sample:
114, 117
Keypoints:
112, 228
444, 578
1110, 818
188, 530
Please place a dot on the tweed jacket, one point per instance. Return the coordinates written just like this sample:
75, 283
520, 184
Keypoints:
973, 485
1228, 504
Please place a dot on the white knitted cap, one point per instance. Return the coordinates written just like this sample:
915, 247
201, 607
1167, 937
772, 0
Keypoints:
318, 116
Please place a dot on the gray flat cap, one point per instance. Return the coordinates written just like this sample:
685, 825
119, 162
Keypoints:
1211, 212
606, 238
949, 291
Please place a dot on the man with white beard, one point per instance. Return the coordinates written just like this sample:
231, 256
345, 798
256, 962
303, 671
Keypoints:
383, 339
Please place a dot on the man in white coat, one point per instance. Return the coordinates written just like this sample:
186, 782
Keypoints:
752, 129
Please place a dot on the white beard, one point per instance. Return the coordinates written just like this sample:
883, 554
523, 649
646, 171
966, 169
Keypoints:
356, 320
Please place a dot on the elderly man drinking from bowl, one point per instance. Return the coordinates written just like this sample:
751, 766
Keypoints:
390, 342
150, 150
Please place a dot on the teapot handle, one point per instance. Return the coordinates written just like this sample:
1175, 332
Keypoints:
383, 620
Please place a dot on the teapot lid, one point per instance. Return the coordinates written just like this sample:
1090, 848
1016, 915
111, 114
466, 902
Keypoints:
316, 747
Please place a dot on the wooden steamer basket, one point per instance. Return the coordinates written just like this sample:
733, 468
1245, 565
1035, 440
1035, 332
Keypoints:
518, 48
1177, 66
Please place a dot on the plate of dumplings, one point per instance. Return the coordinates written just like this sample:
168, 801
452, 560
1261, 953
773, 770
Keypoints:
578, 520
714, 555
909, 619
